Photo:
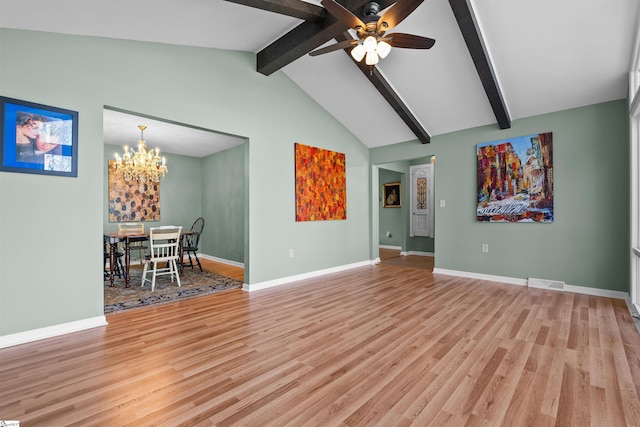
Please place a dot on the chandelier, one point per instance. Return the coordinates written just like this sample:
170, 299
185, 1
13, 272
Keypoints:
144, 167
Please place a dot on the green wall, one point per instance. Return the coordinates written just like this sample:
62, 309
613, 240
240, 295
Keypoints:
59, 278
587, 244
223, 204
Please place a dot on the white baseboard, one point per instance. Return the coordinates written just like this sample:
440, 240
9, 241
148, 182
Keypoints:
418, 253
51, 331
480, 276
222, 260
397, 248
523, 282
295, 278
597, 292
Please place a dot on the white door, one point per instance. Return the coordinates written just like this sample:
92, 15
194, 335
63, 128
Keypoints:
635, 203
421, 223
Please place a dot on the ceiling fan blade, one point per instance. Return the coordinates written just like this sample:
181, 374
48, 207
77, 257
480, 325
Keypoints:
396, 13
410, 41
343, 14
338, 46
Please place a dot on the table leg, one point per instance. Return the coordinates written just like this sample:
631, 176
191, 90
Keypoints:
112, 260
127, 261
181, 252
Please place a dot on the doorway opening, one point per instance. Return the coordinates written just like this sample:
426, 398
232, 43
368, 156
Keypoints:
404, 230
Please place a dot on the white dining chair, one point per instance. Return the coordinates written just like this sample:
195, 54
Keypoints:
164, 245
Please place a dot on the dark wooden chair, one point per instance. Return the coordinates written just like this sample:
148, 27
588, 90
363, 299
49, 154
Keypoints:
191, 242
118, 266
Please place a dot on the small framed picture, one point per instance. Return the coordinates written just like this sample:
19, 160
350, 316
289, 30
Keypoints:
391, 195
38, 139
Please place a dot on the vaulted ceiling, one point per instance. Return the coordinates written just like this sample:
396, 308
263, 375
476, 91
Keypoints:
494, 61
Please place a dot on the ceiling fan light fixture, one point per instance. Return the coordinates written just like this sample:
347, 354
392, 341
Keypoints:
369, 44
372, 58
383, 49
370, 40
358, 52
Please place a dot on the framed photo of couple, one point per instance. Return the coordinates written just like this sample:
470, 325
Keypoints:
38, 139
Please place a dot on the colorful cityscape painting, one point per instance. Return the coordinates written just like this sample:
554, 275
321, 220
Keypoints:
515, 179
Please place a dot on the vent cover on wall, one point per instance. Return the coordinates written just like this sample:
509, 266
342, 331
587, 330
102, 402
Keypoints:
555, 285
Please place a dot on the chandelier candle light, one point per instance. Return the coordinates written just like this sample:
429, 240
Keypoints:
143, 166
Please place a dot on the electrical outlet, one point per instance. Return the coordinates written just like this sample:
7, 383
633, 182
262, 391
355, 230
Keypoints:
290, 253
442, 203
485, 247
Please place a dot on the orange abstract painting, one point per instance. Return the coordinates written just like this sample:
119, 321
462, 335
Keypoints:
321, 184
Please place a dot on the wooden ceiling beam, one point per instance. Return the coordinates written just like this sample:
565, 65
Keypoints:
294, 8
473, 38
306, 37
382, 85
314, 33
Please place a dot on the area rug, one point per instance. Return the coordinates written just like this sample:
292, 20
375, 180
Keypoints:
194, 283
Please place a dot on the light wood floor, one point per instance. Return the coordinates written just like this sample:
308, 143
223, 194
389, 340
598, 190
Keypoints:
214, 267
393, 257
377, 345
221, 268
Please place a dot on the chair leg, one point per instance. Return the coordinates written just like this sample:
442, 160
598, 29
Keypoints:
153, 280
121, 268
198, 259
144, 273
175, 271
118, 268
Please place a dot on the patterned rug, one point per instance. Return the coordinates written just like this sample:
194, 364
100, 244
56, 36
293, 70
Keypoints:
194, 283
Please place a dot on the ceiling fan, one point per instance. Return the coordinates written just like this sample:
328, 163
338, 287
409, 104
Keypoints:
372, 41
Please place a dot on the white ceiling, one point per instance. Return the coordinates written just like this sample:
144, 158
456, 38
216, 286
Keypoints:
548, 55
121, 128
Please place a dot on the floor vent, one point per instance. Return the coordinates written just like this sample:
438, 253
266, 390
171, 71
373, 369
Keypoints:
555, 285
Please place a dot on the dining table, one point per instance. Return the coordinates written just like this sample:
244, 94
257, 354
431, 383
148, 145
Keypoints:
128, 237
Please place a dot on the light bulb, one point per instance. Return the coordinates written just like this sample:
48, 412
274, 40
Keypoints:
372, 58
369, 44
358, 52
383, 49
